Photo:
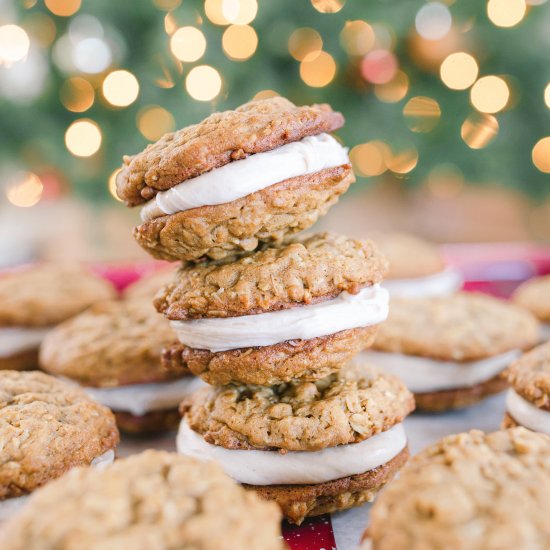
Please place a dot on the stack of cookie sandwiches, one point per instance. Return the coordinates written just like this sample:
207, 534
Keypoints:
267, 319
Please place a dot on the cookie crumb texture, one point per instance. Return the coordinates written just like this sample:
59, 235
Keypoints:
472, 491
155, 500
300, 272
534, 295
346, 407
46, 428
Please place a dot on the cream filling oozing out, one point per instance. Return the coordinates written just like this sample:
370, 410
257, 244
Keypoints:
244, 177
295, 467
15, 340
347, 311
527, 414
444, 283
422, 374
11, 506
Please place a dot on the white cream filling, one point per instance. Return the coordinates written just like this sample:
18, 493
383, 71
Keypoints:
15, 340
139, 399
295, 467
243, 177
347, 311
527, 414
11, 506
444, 283
422, 374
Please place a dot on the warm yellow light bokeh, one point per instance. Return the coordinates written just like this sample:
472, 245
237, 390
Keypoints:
266, 94
506, 13
370, 159
63, 8
459, 71
547, 95
357, 37
214, 11
328, 6
318, 72
403, 162
305, 42
112, 184
239, 12
25, 190
120, 88
541, 155
167, 4
394, 90
422, 113
478, 130
203, 83
239, 42
77, 94
188, 44
154, 121
14, 44
83, 138
490, 94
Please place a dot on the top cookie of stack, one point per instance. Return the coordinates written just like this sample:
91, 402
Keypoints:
197, 203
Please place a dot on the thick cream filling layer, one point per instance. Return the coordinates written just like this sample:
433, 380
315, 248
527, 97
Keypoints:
139, 399
15, 340
295, 467
254, 173
421, 374
527, 414
347, 311
444, 283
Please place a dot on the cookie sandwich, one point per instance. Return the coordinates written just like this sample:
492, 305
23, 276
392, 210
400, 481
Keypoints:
472, 490
299, 310
237, 179
534, 295
113, 350
312, 447
46, 428
34, 299
528, 399
151, 500
451, 351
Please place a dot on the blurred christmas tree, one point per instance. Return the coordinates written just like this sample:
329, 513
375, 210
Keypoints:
434, 93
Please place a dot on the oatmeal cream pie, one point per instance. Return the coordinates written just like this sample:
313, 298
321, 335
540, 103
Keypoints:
417, 267
113, 350
238, 178
451, 351
299, 310
534, 295
35, 298
528, 399
471, 491
46, 428
312, 447
153, 500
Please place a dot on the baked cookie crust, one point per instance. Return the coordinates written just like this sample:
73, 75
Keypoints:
534, 295
24, 360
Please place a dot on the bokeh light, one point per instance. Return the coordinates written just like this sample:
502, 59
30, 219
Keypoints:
506, 13
305, 42
63, 8
266, 94
77, 94
120, 88
24, 190
328, 6
319, 71
42, 28
83, 138
459, 71
188, 44
167, 5
203, 83
541, 155
403, 162
422, 113
214, 11
239, 12
478, 130
547, 95
112, 184
379, 66
357, 37
92, 55
433, 21
370, 159
394, 90
490, 94
153, 122
239, 42
14, 44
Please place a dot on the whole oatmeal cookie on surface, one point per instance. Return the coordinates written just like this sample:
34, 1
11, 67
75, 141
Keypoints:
534, 295
152, 500
148, 285
46, 428
472, 490
346, 407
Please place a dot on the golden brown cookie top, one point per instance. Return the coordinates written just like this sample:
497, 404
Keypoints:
300, 272
534, 295
46, 294
472, 490
346, 407
461, 327
149, 285
113, 343
148, 501
255, 127
47, 427
530, 376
